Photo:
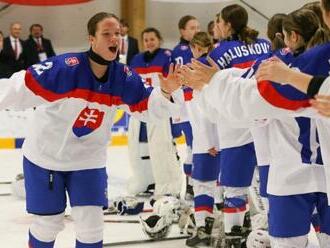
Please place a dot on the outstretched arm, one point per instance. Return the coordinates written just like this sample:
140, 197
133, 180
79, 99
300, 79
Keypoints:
276, 70
16, 93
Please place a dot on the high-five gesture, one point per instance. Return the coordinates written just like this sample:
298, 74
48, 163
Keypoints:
171, 83
197, 74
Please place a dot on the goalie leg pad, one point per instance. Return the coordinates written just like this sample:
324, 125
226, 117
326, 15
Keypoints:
139, 160
165, 165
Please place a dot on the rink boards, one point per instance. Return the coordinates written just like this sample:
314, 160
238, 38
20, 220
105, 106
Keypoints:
13, 128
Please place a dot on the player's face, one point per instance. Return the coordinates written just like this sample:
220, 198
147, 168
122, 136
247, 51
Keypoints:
150, 42
198, 50
224, 28
291, 40
106, 40
192, 27
15, 30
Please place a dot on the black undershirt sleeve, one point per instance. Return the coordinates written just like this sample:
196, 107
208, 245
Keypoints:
315, 85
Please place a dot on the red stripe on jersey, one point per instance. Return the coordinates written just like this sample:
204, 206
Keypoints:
244, 65
204, 208
234, 210
268, 92
151, 69
188, 95
90, 96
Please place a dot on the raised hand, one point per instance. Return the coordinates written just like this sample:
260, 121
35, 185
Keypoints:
171, 82
197, 74
273, 69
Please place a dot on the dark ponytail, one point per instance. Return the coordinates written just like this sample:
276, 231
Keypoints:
237, 16
248, 35
274, 31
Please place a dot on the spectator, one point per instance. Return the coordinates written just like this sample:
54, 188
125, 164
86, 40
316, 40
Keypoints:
36, 47
12, 51
128, 45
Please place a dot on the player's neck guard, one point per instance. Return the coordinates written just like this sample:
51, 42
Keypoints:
97, 58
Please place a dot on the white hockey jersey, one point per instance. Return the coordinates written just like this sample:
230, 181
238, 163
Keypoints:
71, 126
296, 167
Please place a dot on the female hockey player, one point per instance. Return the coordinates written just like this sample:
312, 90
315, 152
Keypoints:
76, 96
238, 47
294, 189
188, 25
205, 150
278, 72
165, 167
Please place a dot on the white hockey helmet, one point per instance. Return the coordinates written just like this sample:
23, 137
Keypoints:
258, 239
169, 207
126, 206
155, 226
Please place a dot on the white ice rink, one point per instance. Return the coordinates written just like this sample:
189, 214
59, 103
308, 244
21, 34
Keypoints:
15, 222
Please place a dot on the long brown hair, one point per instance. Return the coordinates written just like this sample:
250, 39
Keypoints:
237, 16
306, 23
274, 31
316, 8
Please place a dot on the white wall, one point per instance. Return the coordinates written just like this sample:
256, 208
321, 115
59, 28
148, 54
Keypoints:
64, 25
165, 15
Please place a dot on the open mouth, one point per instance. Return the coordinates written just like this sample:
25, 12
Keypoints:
113, 49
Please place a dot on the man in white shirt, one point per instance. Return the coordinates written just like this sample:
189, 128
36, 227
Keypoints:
37, 48
13, 51
128, 45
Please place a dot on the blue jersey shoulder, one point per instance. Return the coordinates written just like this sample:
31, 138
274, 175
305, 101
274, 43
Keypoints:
181, 54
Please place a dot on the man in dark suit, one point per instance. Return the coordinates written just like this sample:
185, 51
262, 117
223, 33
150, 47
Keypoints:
128, 45
36, 47
13, 51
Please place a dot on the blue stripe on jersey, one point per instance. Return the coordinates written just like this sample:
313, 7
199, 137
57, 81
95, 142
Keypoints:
304, 139
319, 159
306, 134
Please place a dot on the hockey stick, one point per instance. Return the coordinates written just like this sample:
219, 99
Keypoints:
116, 213
5, 182
254, 9
5, 194
143, 241
4, 7
122, 221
